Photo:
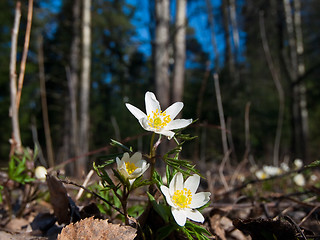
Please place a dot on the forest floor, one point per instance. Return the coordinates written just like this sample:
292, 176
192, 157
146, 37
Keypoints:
242, 207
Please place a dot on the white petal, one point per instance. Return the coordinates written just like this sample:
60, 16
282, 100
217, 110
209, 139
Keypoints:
192, 183
152, 103
176, 183
178, 123
165, 191
118, 162
200, 199
136, 157
131, 181
144, 123
136, 111
194, 215
166, 133
179, 216
174, 109
125, 157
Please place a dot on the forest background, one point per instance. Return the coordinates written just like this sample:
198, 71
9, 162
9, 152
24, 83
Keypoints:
261, 58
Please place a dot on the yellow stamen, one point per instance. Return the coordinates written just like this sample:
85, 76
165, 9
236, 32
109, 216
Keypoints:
158, 120
182, 198
130, 167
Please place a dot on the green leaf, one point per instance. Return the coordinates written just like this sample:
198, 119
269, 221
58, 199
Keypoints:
161, 209
314, 164
118, 144
165, 231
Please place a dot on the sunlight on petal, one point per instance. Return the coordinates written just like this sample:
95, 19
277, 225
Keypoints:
194, 215
166, 193
179, 216
174, 109
136, 111
178, 124
192, 183
152, 103
200, 199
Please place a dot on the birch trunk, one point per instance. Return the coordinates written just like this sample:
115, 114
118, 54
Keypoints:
180, 51
85, 87
161, 52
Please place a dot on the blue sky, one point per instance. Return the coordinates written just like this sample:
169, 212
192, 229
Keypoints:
196, 16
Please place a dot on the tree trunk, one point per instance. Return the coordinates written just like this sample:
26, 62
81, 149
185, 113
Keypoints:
180, 51
161, 52
73, 79
85, 87
229, 59
296, 68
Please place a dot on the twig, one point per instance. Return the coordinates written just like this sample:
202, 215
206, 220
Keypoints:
221, 167
289, 219
44, 105
93, 193
25, 53
89, 175
221, 115
309, 214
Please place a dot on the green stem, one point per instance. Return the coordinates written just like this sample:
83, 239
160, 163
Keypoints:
152, 155
124, 204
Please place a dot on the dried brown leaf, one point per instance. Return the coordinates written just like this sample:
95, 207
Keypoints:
90, 228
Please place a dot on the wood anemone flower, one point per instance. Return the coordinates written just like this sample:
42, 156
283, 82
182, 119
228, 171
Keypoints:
161, 122
183, 200
132, 168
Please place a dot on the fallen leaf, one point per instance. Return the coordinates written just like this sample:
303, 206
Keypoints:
91, 228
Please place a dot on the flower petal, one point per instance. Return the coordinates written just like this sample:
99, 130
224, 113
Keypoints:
178, 123
152, 103
176, 183
165, 191
194, 215
192, 183
136, 111
174, 109
179, 216
136, 157
166, 133
125, 157
200, 199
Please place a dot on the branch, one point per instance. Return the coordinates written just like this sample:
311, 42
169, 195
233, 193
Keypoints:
25, 53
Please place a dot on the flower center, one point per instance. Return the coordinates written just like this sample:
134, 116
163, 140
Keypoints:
182, 198
158, 120
130, 167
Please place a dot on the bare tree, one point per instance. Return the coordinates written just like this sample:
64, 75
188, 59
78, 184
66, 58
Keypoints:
73, 78
180, 50
161, 52
85, 87
276, 78
296, 69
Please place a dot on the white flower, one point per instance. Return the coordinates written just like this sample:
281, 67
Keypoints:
40, 173
161, 122
272, 170
299, 180
183, 200
285, 167
132, 168
298, 163
260, 174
